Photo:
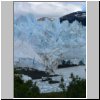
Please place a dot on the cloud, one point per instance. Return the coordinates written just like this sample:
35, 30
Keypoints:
51, 9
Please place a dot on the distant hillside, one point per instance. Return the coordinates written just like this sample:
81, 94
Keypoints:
79, 16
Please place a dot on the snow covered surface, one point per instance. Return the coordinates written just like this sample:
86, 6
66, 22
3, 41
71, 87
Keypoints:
26, 78
77, 70
45, 87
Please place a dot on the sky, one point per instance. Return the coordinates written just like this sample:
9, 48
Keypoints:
48, 9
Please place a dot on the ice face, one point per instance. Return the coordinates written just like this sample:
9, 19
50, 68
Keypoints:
47, 42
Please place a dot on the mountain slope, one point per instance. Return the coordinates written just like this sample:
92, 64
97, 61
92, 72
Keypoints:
79, 16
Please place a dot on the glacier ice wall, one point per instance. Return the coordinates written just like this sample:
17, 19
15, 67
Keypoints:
39, 43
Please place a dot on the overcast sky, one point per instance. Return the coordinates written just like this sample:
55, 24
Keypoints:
48, 9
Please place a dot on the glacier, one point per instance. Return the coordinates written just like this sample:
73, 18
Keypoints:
39, 43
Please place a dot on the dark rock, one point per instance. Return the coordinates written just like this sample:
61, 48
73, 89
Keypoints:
79, 16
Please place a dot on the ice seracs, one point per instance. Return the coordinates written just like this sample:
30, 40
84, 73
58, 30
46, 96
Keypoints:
47, 38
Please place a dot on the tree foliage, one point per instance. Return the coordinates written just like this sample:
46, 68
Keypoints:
25, 89
76, 88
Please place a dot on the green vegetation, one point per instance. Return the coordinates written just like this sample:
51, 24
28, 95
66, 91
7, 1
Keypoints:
62, 85
52, 95
81, 63
76, 88
24, 89
28, 89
